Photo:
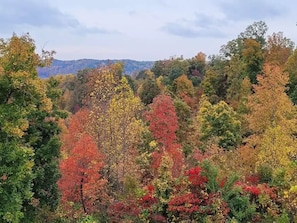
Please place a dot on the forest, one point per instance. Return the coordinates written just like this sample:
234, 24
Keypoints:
202, 139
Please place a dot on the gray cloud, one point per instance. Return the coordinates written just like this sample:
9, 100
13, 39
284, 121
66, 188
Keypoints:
201, 26
253, 9
230, 12
36, 13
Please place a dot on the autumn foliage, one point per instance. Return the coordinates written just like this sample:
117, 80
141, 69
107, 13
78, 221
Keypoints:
81, 181
191, 140
76, 128
163, 125
163, 120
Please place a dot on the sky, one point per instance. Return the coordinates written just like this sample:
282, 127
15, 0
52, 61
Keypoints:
141, 29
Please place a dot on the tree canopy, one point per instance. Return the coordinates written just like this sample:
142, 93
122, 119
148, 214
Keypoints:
200, 139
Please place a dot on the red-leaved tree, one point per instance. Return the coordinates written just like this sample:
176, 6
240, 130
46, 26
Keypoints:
81, 183
75, 129
163, 125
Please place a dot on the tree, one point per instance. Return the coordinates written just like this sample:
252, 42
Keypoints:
114, 122
269, 105
43, 137
125, 128
257, 32
81, 89
275, 149
219, 122
149, 90
239, 85
244, 56
235, 72
65, 84
81, 182
102, 84
272, 120
79, 149
163, 120
163, 184
16, 179
182, 86
163, 123
197, 68
183, 112
76, 127
170, 69
22, 94
232, 48
242, 109
278, 49
253, 58
197, 65
215, 86
290, 67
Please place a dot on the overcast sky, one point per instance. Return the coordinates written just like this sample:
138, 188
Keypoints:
140, 29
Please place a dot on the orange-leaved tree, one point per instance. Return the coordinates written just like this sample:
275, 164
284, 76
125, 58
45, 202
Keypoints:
278, 49
269, 105
81, 184
75, 129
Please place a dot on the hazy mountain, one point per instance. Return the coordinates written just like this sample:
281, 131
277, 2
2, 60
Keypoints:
72, 66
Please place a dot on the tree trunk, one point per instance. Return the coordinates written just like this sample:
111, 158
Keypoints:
82, 200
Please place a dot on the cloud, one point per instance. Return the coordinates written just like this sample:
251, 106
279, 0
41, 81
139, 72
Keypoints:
253, 9
39, 14
221, 17
201, 26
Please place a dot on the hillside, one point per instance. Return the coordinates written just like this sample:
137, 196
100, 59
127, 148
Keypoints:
72, 66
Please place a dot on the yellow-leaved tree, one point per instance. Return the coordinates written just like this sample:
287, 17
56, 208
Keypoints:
115, 123
125, 125
272, 121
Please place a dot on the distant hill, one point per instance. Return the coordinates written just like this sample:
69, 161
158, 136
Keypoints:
72, 66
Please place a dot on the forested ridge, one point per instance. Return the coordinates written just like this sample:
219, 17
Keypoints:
204, 139
72, 66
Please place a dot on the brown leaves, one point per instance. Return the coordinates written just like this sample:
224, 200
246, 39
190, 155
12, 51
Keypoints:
4, 177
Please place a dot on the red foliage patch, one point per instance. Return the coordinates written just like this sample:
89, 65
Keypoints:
158, 218
257, 189
252, 179
148, 199
186, 204
120, 210
254, 190
80, 181
195, 177
163, 125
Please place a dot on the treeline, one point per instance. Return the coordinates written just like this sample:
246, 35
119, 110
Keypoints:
205, 139
73, 66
